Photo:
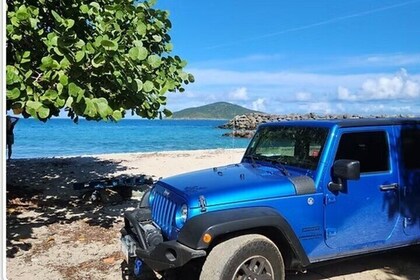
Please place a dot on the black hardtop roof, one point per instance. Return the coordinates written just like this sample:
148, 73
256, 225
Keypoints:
377, 122
349, 122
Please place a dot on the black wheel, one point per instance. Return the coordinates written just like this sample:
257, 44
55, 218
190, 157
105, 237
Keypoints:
248, 257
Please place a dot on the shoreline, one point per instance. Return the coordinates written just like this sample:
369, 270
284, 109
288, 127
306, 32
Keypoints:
122, 154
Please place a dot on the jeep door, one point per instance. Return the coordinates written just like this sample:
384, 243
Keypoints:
366, 211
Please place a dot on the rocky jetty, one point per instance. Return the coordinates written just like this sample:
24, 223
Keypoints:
244, 126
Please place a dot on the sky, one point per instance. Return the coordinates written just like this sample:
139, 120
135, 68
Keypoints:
301, 56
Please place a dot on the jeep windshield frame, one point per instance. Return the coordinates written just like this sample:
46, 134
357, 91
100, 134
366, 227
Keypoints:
295, 146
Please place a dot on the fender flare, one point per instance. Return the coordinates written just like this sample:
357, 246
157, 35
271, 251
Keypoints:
219, 223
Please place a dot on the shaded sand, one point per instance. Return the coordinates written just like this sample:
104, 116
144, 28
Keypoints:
54, 233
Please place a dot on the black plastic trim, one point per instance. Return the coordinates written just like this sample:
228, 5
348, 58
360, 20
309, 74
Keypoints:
169, 254
219, 223
303, 184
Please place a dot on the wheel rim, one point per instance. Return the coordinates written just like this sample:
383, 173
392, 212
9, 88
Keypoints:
254, 268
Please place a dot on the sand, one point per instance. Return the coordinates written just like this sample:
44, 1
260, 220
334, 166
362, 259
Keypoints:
53, 232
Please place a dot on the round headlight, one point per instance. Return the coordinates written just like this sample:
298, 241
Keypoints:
181, 215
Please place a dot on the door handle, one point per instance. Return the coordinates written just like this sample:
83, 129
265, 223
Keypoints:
390, 187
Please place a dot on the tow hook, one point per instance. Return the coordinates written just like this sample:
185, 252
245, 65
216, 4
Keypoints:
138, 265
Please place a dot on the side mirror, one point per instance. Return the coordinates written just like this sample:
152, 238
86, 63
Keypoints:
344, 169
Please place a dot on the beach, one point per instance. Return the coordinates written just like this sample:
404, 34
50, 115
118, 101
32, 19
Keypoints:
54, 232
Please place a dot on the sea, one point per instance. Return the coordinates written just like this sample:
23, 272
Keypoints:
62, 137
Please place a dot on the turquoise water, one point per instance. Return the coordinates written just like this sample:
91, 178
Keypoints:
61, 137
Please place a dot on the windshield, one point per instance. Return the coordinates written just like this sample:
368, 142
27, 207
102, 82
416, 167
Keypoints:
288, 145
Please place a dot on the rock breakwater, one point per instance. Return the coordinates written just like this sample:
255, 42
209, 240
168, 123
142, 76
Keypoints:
244, 126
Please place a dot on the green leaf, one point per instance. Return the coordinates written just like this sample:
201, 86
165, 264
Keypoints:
31, 112
154, 60
162, 99
119, 15
64, 80
14, 21
84, 9
51, 94
33, 104
110, 45
25, 60
29, 91
12, 75
60, 102
183, 75
90, 109
148, 86
69, 23
98, 61
46, 62
191, 78
28, 74
13, 94
22, 13
169, 47
43, 112
69, 102
141, 28
142, 53
167, 113
95, 5
139, 84
116, 115
151, 3
60, 87
157, 38
56, 16
89, 48
33, 22
101, 106
80, 55
138, 43
133, 53
26, 54
64, 63
74, 89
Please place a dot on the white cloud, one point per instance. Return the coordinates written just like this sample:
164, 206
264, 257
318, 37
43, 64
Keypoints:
239, 94
259, 105
390, 60
399, 86
303, 96
344, 94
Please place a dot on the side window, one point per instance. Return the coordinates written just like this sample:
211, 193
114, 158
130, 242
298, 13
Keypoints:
410, 139
369, 148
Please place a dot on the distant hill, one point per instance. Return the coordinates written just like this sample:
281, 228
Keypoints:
218, 110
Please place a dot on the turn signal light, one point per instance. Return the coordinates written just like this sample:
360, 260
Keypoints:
207, 238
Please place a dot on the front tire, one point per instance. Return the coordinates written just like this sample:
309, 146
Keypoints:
250, 256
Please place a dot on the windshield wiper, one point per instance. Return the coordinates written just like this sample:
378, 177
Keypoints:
280, 166
251, 157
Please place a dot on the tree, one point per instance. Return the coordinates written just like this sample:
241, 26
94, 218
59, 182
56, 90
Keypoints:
94, 59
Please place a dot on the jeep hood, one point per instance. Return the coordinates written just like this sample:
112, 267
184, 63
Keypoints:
236, 183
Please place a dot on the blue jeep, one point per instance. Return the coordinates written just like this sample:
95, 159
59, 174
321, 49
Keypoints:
304, 192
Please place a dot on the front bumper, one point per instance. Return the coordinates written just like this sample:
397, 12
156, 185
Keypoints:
159, 257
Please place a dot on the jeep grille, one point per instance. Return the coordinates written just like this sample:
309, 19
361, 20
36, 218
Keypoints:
163, 213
